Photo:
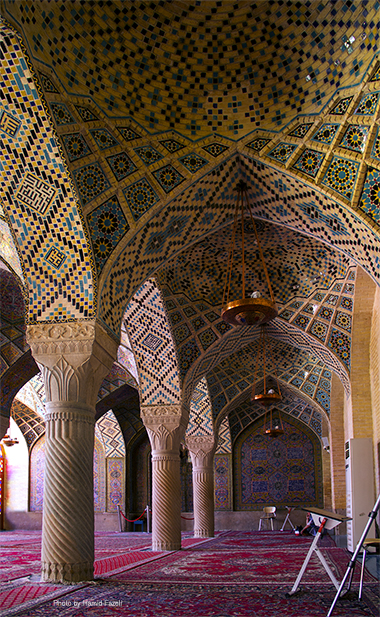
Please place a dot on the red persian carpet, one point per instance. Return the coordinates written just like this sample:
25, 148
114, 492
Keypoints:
236, 574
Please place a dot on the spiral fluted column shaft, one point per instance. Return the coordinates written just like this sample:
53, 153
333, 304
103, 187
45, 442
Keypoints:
203, 496
73, 358
202, 449
166, 501
68, 511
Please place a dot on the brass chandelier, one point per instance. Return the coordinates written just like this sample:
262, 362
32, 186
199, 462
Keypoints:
254, 310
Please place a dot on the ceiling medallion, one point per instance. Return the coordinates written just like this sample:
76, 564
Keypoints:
254, 310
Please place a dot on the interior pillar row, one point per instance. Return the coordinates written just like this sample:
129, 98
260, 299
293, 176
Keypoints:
165, 425
202, 450
73, 358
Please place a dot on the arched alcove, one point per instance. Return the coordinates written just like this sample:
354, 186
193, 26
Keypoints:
277, 471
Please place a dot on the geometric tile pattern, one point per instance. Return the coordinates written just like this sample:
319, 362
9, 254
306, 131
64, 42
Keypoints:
217, 85
158, 371
121, 165
103, 139
8, 251
341, 176
314, 214
295, 404
222, 481
341, 107
301, 130
125, 355
53, 203
200, 420
90, 181
107, 225
31, 424
355, 138
309, 162
326, 133
282, 152
376, 146
140, 196
370, 197
284, 470
12, 321
233, 377
111, 434
168, 177
368, 104
117, 377
224, 438
75, 146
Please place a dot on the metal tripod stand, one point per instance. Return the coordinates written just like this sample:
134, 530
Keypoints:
350, 569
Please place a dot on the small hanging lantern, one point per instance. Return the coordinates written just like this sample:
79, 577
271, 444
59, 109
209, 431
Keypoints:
254, 310
8, 441
273, 423
267, 392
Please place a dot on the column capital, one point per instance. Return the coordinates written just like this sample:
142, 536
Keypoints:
73, 357
165, 425
202, 449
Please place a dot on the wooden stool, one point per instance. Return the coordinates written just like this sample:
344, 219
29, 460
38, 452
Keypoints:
368, 542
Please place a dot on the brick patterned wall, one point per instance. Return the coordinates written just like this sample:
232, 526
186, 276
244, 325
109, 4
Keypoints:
375, 383
360, 354
337, 439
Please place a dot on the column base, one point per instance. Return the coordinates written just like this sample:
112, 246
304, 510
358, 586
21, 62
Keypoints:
203, 533
67, 572
165, 546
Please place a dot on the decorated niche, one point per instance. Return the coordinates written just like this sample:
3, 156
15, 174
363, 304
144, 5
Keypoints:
281, 471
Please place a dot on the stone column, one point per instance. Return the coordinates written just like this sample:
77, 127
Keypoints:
73, 359
202, 450
165, 426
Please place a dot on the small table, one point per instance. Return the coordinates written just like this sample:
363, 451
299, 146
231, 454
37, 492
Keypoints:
139, 524
287, 518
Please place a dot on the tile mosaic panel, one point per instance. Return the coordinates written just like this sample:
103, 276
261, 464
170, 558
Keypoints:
282, 152
140, 196
222, 482
103, 139
148, 154
370, 197
200, 420
215, 149
90, 181
258, 143
355, 138
224, 438
368, 104
341, 107
128, 133
326, 133
301, 130
375, 152
340, 343
121, 165
310, 162
75, 146
171, 145
61, 114
193, 162
168, 177
115, 483
86, 114
158, 369
51, 202
112, 436
341, 176
269, 471
107, 225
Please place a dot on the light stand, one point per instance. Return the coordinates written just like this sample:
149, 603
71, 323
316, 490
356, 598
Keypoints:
350, 569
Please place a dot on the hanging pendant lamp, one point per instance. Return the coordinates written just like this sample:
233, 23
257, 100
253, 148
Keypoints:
254, 310
265, 390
